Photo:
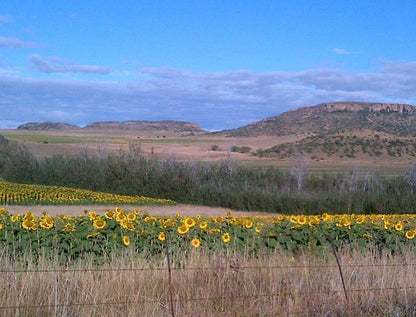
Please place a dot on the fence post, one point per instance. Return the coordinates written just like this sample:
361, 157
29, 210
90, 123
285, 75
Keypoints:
339, 268
172, 310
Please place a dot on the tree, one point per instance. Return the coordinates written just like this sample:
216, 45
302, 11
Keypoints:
410, 177
298, 173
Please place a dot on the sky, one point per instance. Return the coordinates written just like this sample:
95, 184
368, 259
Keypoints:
220, 64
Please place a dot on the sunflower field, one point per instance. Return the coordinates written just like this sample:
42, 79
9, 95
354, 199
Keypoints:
99, 236
23, 194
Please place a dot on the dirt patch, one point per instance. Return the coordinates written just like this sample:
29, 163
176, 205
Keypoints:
184, 210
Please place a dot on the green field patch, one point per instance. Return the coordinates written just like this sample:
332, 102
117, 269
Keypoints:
64, 139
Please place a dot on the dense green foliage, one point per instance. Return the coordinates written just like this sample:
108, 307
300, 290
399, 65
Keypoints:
218, 184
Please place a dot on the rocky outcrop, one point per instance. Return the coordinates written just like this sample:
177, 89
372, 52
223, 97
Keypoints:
371, 107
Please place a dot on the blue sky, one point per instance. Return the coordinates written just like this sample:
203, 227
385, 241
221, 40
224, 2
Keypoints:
220, 64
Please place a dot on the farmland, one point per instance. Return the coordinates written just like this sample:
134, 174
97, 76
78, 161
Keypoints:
116, 262
284, 217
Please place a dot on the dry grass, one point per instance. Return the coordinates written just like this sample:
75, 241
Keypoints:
193, 148
213, 285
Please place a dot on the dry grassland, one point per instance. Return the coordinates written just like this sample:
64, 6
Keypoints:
191, 148
213, 285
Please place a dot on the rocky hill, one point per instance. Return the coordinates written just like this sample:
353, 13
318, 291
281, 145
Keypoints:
326, 118
47, 125
172, 126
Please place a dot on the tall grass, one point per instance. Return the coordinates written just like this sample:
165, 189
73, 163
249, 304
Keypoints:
280, 284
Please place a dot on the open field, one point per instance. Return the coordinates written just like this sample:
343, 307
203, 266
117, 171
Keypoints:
192, 148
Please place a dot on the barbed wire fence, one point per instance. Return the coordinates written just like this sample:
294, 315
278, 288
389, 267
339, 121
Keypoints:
172, 300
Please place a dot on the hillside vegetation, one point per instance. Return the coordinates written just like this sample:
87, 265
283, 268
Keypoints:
346, 146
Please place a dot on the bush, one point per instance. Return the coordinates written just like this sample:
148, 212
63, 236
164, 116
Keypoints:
242, 149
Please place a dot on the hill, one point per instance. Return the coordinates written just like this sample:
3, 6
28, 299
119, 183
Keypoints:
159, 126
396, 119
339, 130
47, 125
165, 125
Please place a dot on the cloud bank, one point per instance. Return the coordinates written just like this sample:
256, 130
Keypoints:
213, 100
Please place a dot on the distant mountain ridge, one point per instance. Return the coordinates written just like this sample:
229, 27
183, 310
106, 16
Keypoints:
325, 118
392, 118
165, 125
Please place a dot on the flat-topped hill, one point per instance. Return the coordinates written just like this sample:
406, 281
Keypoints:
164, 125
397, 119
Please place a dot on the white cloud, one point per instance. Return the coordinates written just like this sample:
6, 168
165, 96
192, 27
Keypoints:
213, 100
9, 42
340, 51
52, 64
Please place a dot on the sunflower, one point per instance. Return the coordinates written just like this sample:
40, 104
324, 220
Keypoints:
196, 242
248, 223
120, 217
398, 226
92, 215
111, 214
99, 224
326, 217
345, 222
126, 240
189, 222
46, 223
1, 226
131, 216
301, 220
28, 224
127, 225
203, 224
226, 237
388, 224
218, 219
410, 234
360, 219
161, 236
183, 229
169, 223
28, 215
